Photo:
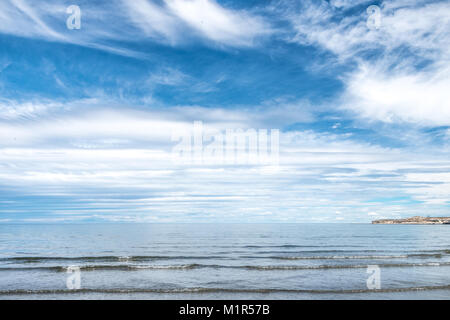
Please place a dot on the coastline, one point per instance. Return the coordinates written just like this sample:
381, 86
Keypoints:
415, 220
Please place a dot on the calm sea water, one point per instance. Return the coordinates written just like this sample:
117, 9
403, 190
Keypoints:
224, 261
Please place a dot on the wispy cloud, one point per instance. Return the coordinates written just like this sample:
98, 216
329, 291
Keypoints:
363, 113
47, 21
93, 156
104, 24
402, 67
154, 20
224, 26
178, 19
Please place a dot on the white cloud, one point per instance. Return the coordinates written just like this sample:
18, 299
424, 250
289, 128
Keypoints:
11, 110
209, 19
22, 18
402, 68
174, 22
116, 162
94, 155
168, 77
419, 97
25, 18
433, 188
154, 20
178, 20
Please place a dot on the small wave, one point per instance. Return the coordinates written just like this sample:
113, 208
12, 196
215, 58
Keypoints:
318, 251
175, 267
338, 257
366, 252
364, 257
125, 267
105, 258
384, 265
425, 255
347, 254
288, 246
128, 267
215, 290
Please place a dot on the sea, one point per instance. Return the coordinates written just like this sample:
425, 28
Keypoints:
224, 261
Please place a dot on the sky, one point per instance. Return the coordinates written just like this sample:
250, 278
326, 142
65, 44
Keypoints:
360, 96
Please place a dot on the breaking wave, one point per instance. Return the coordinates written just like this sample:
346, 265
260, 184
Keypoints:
215, 290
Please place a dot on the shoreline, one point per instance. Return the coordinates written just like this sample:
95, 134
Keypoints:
417, 220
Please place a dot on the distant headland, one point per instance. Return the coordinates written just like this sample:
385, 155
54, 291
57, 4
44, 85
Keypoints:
415, 220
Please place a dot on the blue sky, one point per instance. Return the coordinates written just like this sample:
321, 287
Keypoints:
86, 116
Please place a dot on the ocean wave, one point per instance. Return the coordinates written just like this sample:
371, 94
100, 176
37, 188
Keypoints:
105, 258
130, 267
358, 266
358, 252
365, 257
214, 290
143, 258
124, 267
